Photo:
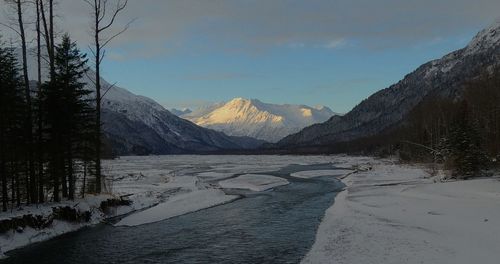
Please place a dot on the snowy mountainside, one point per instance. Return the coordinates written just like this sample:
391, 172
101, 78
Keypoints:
253, 118
443, 77
137, 125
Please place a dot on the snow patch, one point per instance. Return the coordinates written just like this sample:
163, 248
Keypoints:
253, 182
178, 205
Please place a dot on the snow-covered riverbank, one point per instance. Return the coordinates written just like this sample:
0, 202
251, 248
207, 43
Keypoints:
397, 214
168, 185
26, 235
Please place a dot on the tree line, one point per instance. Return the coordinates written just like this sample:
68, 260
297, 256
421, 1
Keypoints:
50, 126
462, 133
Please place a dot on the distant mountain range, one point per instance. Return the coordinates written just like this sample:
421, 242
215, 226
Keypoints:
138, 125
253, 118
387, 108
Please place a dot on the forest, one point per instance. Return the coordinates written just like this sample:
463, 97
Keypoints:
50, 126
462, 134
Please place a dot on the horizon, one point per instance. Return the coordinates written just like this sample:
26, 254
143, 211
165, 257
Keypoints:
218, 51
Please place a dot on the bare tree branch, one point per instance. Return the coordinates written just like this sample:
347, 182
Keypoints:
11, 28
119, 8
90, 78
107, 90
127, 26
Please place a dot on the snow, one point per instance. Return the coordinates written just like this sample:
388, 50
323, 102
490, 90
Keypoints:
398, 214
319, 173
270, 122
178, 205
162, 186
253, 182
13, 239
485, 39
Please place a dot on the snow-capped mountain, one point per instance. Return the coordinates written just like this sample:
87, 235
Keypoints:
137, 125
253, 118
387, 108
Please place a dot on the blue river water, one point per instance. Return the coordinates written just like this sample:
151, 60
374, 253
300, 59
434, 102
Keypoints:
275, 226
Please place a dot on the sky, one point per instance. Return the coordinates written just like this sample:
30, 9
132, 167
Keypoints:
188, 53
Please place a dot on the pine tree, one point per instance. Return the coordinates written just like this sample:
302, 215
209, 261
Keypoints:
467, 156
69, 117
12, 118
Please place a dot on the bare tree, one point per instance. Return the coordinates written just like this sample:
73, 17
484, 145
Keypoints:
104, 15
48, 32
40, 109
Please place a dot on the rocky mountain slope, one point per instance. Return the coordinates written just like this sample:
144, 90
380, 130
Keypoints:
386, 108
137, 125
253, 118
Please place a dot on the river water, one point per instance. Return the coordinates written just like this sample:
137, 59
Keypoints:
275, 226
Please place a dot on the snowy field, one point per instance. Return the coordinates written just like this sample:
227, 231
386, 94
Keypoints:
397, 214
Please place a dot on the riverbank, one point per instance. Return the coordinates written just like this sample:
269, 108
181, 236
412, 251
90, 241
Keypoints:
36, 223
399, 214
168, 196
254, 228
166, 186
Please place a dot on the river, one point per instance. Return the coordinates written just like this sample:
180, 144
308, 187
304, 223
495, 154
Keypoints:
275, 226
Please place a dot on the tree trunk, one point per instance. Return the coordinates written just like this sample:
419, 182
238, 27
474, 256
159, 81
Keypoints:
84, 178
40, 108
3, 172
31, 193
98, 104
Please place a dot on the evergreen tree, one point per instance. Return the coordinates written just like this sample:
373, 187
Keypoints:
466, 154
69, 117
12, 109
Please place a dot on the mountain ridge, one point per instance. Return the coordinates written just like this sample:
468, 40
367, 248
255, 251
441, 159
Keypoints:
252, 117
386, 108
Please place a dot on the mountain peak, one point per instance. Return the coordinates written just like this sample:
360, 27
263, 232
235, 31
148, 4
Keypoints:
485, 39
238, 100
388, 108
251, 117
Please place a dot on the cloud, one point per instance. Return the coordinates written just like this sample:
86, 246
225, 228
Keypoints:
334, 44
246, 26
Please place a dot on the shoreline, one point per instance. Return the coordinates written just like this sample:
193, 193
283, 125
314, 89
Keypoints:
26, 236
398, 214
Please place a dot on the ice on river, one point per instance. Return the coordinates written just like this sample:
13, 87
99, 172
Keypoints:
253, 182
178, 205
177, 184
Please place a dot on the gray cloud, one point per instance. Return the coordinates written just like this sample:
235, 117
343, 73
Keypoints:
248, 25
